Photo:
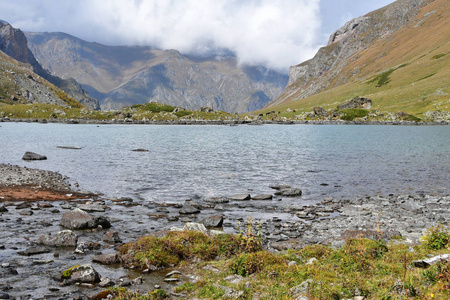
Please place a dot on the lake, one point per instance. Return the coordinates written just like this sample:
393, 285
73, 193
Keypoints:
208, 160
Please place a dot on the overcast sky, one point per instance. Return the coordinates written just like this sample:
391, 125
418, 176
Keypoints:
274, 33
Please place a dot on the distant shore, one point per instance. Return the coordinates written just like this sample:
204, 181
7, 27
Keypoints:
223, 122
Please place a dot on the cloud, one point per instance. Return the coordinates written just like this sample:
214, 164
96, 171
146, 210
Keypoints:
274, 33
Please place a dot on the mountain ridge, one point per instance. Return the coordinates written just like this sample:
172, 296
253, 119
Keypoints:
124, 75
14, 43
366, 47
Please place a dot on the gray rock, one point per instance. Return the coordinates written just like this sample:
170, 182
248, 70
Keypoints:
289, 192
188, 209
107, 259
301, 289
195, 227
78, 219
3, 209
357, 102
241, 197
213, 221
33, 156
262, 197
216, 200
84, 274
105, 282
431, 261
279, 186
91, 207
34, 250
102, 221
112, 236
234, 279
4, 296
65, 238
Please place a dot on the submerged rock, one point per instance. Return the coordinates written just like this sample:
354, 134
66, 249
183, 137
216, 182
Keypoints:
241, 197
289, 192
107, 259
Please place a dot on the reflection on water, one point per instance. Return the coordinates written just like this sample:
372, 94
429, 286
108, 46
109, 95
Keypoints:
185, 161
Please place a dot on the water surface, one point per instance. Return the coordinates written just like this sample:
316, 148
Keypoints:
196, 161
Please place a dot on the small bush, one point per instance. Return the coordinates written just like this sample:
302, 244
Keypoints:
439, 56
436, 237
250, 263
353, 113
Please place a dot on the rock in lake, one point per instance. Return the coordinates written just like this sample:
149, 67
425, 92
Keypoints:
78, 219
289, 192
140, 150
65, 238
213, 221
112, 237
107, 259
262, 197
81, 274
189, 209
33, 156
216, 200
241, 197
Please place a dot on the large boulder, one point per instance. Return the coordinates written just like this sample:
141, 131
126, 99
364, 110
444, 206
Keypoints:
81, 274
79, 219
357, 102
65, 238
33, 156
289, 192
213, 221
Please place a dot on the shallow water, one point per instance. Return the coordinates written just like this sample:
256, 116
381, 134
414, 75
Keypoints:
196, 161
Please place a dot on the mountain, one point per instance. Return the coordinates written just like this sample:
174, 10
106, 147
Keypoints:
120, 75
20, 85
14, 44
398, 56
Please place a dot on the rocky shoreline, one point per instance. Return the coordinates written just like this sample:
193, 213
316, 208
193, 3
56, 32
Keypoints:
41, 239
224, 122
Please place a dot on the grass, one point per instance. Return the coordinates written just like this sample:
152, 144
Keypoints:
362, 267
397, 68
352, 114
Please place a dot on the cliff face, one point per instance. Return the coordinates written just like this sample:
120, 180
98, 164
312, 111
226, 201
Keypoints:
14, 43
120, 76
324, 71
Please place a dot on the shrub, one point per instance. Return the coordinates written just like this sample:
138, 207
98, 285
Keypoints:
250, 263
353, 113
436, 237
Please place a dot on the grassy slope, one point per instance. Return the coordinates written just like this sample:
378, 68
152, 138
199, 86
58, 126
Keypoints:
422, 85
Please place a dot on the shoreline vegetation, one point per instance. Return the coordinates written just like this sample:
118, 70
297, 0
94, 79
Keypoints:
162, 114
384, 247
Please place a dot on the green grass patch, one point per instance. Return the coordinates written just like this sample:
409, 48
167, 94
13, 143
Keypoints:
439, 56
185, 245
154, 107
182, 113
353, 113
384, 78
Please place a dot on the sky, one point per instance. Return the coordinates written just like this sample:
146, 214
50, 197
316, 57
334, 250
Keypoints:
273, 33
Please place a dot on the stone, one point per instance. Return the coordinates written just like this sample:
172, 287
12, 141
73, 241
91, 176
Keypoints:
289, 192
4, 296
82, 248
262, 197
34, 250
140, 150
83, 274
241, 197
301, 289
111, 236
195, 227
431, 261
107, 259
173, 273
216, 200
234, 279
188, 209
102, 221
33, 156
78, 219
279, 186
311, 261
91, 207
213, 221
3, 209
321, 112
357, 102
105, 282
26, 213
65, 238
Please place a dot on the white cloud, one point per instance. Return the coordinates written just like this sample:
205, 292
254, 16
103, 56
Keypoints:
275, 33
